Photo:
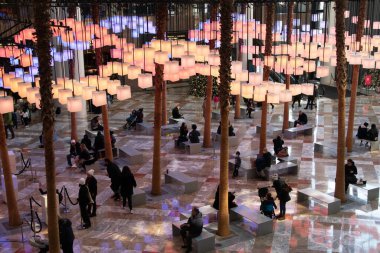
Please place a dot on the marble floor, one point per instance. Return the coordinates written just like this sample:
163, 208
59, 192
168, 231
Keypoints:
356, 228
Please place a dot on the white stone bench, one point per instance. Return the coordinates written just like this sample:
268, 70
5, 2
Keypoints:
318, 147
245, 169
205, 242
232, 140
263, 224
145, 126
292, 132
132, 155
190, 183
372, 190
171, 128
282, 168
215, 115
270, 130
138, 197
194, 148
243, 111
288, 159
176, 121
332, 203
205, 210
291, 123
374, 145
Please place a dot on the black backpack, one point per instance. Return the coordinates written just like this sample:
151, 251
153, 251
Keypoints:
58, 110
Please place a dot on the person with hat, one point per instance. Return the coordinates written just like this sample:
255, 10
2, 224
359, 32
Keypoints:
92, 185
74, 152
84, 199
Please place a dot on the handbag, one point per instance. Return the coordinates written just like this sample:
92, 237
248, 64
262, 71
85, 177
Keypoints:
90, 200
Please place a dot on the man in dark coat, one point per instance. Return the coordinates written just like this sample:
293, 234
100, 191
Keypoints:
84, 200
92, 185
114, 174
175, 113
66, 235
192, 228
74, 152
98, 143
127, 183
302, 119
282, 194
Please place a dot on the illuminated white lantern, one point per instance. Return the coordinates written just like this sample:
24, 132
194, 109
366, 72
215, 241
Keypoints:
191, 46
171, 67
368, 63
161, 57
309, 66
215, 71
112, 85
273, 98
22, 89
322, 71
138, 54
74, 104
298, 71
376, 56
236, 67
255, 78
235, 88
203, 50
259, 93
156, 44
269, 60
31, 94
6, 104
63, 94
133, 72
14, 83
102, 83
123, 92
242, 76
307, 89
377, 64
188, 61
99, 98
178, 51
296, 89
87, 92
214, 59
333, 61
285, 96
166, 45
55, 91
355, 59
247, 90
78, 88
205, 70
184, 73
145, 81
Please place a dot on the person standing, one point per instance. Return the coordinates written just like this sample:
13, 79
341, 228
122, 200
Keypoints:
350, 173
84, 199
8, 123
66, 235
192, 228
114, 173
237, 165
127, 184
92, 185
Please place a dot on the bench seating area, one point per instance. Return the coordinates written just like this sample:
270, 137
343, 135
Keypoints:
131, 155
292, 132
232, 140
207, 211
282, 168
263, 224
145, 126
288, 159
246, 170
372, 190
194, 148
215, 115
205, 242
332, 203
138, 197
176, 121
102, 153
270, 131
190, 183
374, 145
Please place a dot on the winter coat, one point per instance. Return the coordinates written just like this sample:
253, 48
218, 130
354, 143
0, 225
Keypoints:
83, 196
127, 184
92, 185
196, 224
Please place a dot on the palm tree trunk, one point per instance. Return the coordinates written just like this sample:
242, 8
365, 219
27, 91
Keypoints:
285, 123
355, 77
164, 104
13, 213
207, 109
43, 34
71, 62
341, 83
161, 21
98, 55
224, 93
237, 107
267, 52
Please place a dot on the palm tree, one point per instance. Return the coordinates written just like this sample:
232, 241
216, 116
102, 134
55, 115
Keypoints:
355, 76
341, 83
13, 213
224, 92
43, 34
161, 21
285, 124
207, 109
267, 52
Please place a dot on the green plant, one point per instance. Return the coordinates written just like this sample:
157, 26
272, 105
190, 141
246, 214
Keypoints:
198, 86
375, 81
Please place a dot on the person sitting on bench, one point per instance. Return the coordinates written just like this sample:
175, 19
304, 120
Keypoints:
175, 113
140, 115
95, 124
74, 152
98, 143
262, 162
230, 129
279, 150
373, 133
183, 131
83, 157
362, 132
194, 134
231, 198
302, 119
268, 205
192, 228
350, 173
86, 141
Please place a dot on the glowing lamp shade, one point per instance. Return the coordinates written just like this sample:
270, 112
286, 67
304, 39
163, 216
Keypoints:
145, 81
63, 94
99, 98
203, 50
14, 83
172, 77
377, 64
235, 88
307, 89
355, 59
236, 67
6, 105
161, 57
22, 89
205, 70
215, 71
269, 60
87, 92
133, 72
26, 60
368, 63
112, 86
242, 76
187, 61
285, 96
255, 78
31, 94
322, 71
376, 56
259, 93
246, 90
273, 98
78, 88
139, 54
296, 89
166, 45
171, 67
298, 71
103, 83
178, 51
309, 66
7, 80
333, 61
184, 74
123, 92
74, 104
213, 59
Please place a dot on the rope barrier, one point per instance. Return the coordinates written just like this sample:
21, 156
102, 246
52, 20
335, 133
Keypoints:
70, 198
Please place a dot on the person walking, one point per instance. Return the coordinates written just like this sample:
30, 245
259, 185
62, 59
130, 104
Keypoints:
84, 199
127, 184
66, 235
8, 123
114, 173
92, 185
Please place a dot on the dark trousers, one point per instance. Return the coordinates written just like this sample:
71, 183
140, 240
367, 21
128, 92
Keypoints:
68, 247
84, 215
129, 197
186, 236
68, 158
10, 128
115, 188
310, 101
236, 172
282, 208
92, 207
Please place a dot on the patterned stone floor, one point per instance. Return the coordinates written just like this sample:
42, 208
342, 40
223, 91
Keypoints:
305, 229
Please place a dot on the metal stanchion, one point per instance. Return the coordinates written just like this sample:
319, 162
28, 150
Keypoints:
213, 146
65, 209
